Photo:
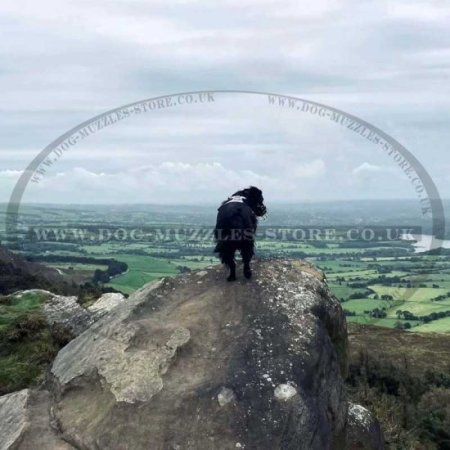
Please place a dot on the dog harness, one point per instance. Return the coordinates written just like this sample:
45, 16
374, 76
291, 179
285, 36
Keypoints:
235, 199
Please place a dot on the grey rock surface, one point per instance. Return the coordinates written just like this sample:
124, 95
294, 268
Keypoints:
363, 430
106, 303
66, 311
25, 422
13, 418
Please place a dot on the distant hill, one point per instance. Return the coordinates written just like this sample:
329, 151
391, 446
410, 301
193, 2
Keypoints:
16, 273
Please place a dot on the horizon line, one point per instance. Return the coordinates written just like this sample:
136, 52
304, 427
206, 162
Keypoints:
275, 202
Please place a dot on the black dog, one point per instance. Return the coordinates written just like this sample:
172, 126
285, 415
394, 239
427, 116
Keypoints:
236, 226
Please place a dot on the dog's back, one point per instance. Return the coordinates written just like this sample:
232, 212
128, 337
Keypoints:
234, 216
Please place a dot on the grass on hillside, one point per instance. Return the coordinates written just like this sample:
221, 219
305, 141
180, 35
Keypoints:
27, 343
436, 326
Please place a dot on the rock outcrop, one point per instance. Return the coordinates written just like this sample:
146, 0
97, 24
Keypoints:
363, 430
65, 310
106, 303
198, 363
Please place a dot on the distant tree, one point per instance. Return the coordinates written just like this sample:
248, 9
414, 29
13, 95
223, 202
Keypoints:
409, 316
378, 313
100, 277
183, 269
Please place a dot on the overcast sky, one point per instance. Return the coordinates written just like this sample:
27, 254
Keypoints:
62, 62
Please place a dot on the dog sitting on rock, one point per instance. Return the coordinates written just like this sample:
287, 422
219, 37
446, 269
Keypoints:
236, 224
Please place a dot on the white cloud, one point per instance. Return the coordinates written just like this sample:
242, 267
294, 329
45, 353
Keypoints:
311, 169
10, 174
371, 168
384, 61
168, 182
434, 10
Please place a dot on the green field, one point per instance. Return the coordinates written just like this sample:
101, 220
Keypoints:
385, 322
360, 305
143, 269
437, 326
354, 280
359, 273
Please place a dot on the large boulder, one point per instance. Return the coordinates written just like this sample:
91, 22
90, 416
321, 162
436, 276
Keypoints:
198, 363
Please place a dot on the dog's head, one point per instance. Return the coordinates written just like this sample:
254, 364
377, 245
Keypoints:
255, 200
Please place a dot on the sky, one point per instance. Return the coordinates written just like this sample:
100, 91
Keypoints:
63, 62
